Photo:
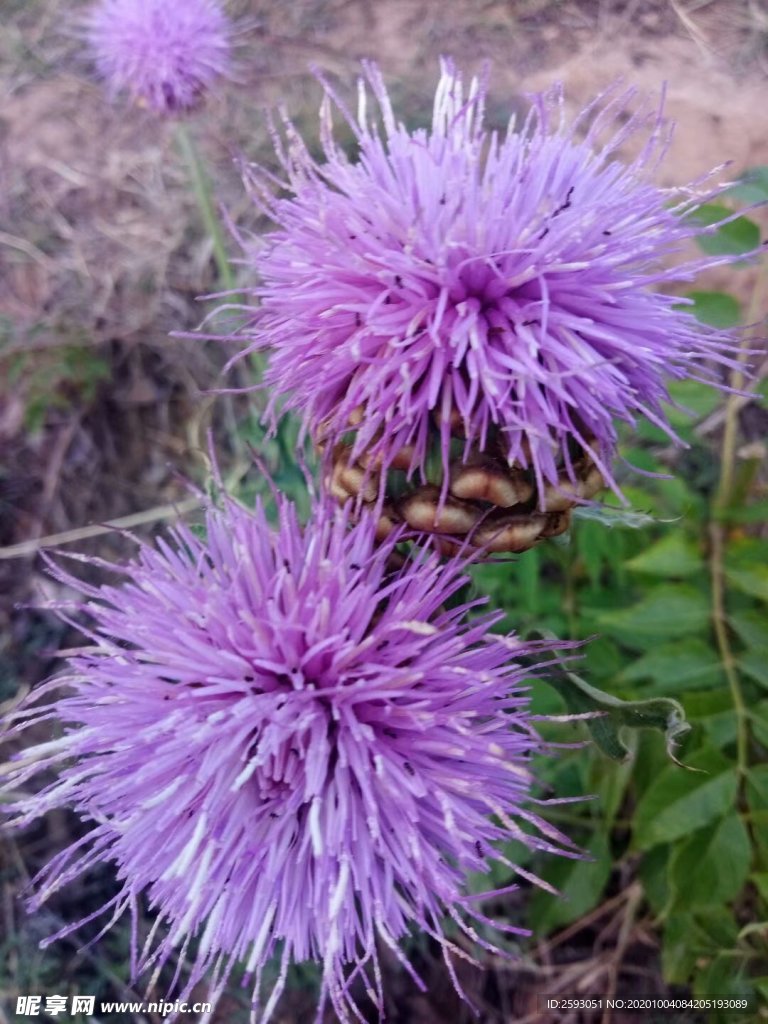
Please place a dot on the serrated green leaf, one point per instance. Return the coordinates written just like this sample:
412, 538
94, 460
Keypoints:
664, 612
679, 801
712, 865
673, 555
736, 238
580, 881
675, 666
613, 714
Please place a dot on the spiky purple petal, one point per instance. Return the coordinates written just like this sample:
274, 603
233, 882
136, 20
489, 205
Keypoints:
287, 747
512, 277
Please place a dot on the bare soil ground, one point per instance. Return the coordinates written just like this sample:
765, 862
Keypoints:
102, 255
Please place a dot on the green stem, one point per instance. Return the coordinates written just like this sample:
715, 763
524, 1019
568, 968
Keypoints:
203, 191
719, 621
718, 530
201, 185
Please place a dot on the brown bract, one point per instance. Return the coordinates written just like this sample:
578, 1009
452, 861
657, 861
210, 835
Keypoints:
488, 504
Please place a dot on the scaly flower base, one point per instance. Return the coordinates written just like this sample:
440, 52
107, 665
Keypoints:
488, 503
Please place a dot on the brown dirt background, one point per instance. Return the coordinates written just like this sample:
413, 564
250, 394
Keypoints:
102, 255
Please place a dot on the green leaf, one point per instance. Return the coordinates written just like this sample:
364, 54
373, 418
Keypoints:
581, 883
708, 702
676, 666
567, 777
722, 974
752, 581
718, 309
650, 759
653, 872
712, 865
737, 237
529, 579
664, 612
760, 881
613, 714
679, 801
756, 512
678, 956
689, 936
721, 729
610, 783
758, 714
673, 555
603, 658
744, 552
757, 787
752, 186
755, 665
716, 927
690, 401
713, 711
751, 627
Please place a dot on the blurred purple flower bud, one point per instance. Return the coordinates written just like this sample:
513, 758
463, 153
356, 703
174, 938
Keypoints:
163, 53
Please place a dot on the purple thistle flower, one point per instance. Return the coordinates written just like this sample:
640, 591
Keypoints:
507, 281
165, 54
289, 748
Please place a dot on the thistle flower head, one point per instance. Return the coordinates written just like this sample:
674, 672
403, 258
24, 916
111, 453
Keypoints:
164, 54
500, 283
287, 747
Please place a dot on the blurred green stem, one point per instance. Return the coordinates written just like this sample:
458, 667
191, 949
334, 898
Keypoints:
719, 621
201, 185
718, 527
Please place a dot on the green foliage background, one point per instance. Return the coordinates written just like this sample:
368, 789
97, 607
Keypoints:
674, 598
